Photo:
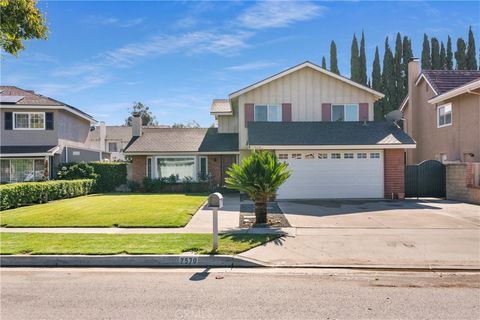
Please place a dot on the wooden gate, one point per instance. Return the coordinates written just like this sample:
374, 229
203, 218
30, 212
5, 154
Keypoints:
426, 179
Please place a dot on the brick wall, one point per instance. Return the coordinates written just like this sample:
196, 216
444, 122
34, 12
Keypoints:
215, 168
460, 183
139, 168
394, 173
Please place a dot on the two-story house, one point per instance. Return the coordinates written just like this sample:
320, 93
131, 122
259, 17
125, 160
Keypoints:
442, 114
38, 133
317, 121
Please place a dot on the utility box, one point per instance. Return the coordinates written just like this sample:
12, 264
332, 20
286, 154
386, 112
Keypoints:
215, 200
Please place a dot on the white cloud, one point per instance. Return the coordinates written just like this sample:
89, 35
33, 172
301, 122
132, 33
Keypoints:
249, 66
276, 14
113, 21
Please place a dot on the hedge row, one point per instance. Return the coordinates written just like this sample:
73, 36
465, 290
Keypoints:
21, 194
163, 185
107, 175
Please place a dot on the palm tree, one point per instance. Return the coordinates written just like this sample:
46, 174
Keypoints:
259, 176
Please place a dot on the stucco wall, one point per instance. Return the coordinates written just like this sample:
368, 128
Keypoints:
459, 181
72, 130
306, 89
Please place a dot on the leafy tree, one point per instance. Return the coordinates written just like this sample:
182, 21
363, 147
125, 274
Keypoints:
443, 57
377, 85
363, 61
148, 119
426, 62
460, 55
407, 54
190, 124
355, 61
435, 59
449, 61
20, 20
471, 59
388, 80
333, 58
397, 97
324, 63
259, 176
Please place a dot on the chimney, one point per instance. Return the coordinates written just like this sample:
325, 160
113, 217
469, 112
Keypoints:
413, 72
136, 125
103, 136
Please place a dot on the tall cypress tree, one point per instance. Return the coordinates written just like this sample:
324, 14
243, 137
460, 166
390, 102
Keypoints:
324, 63
471, 52
397, 97
460, 55
333, 58
407, 55
443, 57
363, 61
388, 79
435, 54
377, 85
449, 62
355, 61
426, 62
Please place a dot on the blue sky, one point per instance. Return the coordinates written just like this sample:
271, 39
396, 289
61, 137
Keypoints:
177, 56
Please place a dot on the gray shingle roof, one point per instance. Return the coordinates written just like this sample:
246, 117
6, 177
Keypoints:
446, 80
183, 140
25, 149
326, 133
221, 106
31, 98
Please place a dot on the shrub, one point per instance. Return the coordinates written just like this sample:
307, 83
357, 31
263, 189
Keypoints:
164, 185
25, 193
107, 175
110, 175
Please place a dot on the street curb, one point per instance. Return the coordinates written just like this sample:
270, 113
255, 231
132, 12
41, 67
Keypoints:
135, 261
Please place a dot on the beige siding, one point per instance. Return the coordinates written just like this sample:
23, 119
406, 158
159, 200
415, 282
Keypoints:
229, 124
306, 89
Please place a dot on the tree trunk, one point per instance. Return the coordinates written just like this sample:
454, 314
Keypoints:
260, 212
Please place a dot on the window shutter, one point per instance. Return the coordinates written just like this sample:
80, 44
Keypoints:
363, 112
326, 112
286, 112
49, 120
8, 120
249, 113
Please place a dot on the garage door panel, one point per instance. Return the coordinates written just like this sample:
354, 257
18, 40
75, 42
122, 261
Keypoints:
333, 178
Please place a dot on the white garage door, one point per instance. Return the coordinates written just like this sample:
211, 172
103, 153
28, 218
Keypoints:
333, 174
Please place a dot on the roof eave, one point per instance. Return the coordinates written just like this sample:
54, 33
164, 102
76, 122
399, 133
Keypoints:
473, 85
334, 147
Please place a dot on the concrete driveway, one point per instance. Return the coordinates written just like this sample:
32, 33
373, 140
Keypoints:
411, 233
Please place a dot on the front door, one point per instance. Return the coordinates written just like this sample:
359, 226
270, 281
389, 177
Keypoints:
227, 161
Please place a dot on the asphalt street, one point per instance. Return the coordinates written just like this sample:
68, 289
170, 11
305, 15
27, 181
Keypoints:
237, 294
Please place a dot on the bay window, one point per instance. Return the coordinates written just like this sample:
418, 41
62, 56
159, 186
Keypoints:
268, 113
29, 120
444, 115
345, 112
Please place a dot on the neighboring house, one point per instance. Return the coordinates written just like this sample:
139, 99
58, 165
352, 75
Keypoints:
442, 114
38, 133
317, 121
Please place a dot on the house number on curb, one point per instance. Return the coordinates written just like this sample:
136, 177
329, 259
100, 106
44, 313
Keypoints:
189, 261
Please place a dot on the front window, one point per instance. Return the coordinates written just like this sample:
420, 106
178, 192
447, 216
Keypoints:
112, 147
29, 120
203, 168
345, 112
20, 170
175, 166
268, 113
444, 115
149, 168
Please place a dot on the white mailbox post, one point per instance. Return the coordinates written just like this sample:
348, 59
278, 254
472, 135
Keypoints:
215, 201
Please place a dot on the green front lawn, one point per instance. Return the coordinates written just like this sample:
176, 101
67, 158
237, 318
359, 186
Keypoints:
95, 244
108, 210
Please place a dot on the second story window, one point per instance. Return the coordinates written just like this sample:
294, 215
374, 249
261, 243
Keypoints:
444, 115
112, 147
345, 112
267, 112
29, 120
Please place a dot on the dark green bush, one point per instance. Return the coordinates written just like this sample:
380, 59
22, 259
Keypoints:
25, 193
107, 175
164, 185
110, 175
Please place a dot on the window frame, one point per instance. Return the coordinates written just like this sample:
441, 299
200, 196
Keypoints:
268, 112
116, 146
149, 172
33, 169
195, 165
200, 167
14, 127
438, 115
335, 157
357, 117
